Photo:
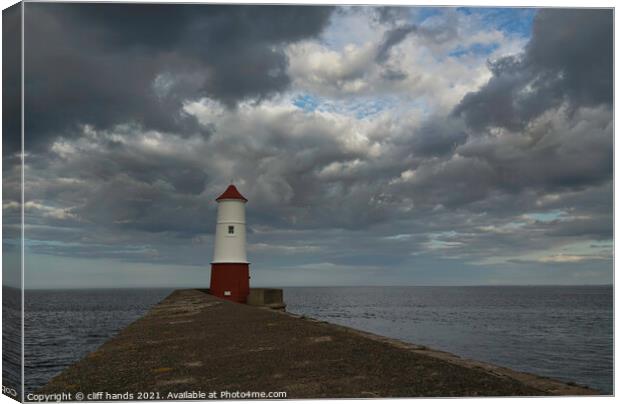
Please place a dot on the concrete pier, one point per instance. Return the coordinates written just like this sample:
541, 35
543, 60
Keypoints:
194, 342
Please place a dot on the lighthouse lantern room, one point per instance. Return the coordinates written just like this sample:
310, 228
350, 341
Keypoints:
230, 270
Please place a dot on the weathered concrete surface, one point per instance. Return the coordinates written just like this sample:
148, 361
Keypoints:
267, 297
192, 341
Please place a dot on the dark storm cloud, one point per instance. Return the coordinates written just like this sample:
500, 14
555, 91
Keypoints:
391, 39
129, 204
11, 141
512, 172
391, 14
11, 79
393, 75
579, 45
597, 228
568, 59
550, 155
108, 64
124, 187
438, 136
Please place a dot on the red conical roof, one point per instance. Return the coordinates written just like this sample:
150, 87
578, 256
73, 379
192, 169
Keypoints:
231, 193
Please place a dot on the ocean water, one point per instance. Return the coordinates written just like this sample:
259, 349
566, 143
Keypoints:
564, 332
11, 339
62, 326
561, 332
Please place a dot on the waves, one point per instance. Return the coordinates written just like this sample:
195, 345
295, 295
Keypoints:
564, 332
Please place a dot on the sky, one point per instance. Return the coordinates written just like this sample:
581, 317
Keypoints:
376, 145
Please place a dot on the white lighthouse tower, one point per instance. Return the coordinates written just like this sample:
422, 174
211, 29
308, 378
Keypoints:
230, 270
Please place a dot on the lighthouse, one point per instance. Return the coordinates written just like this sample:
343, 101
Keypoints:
230, 269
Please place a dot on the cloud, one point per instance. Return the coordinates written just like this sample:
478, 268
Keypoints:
110, 64
11, 79
596, 228
398, 58
547, 154
392, 38
567, 60
315, 171
569, 258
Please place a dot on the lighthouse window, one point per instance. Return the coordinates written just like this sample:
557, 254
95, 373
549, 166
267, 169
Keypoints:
231, 229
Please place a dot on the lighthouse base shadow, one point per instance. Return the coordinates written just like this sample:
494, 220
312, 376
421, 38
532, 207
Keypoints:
196, 342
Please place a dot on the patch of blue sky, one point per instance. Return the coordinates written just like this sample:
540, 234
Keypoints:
49, 246
477, 49
510, 20
306, 102
547, 216
369, 107
513, 225
50, 243
361, 108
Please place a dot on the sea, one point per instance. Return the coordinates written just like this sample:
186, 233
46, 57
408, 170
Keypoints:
564, 332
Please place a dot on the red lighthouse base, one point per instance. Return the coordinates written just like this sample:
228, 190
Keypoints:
230, 281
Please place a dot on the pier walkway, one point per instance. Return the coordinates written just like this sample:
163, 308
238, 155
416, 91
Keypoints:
192, 342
